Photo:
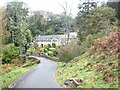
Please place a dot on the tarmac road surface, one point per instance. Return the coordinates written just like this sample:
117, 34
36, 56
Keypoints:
42, 76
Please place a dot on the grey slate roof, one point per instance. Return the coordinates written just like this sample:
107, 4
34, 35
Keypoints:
48, 38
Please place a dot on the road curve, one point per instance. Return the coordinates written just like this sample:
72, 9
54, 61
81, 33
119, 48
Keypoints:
42, 76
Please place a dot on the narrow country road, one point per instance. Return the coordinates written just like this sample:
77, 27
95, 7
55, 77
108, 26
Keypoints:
42, 76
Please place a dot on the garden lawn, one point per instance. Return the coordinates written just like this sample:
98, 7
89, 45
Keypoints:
8, 78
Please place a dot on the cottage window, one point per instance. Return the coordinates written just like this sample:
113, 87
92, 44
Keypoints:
42, 45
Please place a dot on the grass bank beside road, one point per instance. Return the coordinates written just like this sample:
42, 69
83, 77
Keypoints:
90, 72
7, 79
98, 67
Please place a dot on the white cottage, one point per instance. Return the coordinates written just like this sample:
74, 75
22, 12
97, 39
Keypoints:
57, 39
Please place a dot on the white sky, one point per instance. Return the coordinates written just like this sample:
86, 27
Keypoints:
49, 5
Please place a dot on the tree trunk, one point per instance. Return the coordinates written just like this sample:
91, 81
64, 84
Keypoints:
21, 52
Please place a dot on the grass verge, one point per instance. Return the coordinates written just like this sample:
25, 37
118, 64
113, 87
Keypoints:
8, 78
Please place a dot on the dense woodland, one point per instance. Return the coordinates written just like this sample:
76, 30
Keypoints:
97, 42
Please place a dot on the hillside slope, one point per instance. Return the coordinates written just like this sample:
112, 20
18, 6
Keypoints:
98, 67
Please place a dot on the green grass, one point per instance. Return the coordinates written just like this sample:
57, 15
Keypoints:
80, 69
8, 78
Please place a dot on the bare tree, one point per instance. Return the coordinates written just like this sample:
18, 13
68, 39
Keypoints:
67, 11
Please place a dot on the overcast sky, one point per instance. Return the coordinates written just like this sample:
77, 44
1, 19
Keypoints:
49, 5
